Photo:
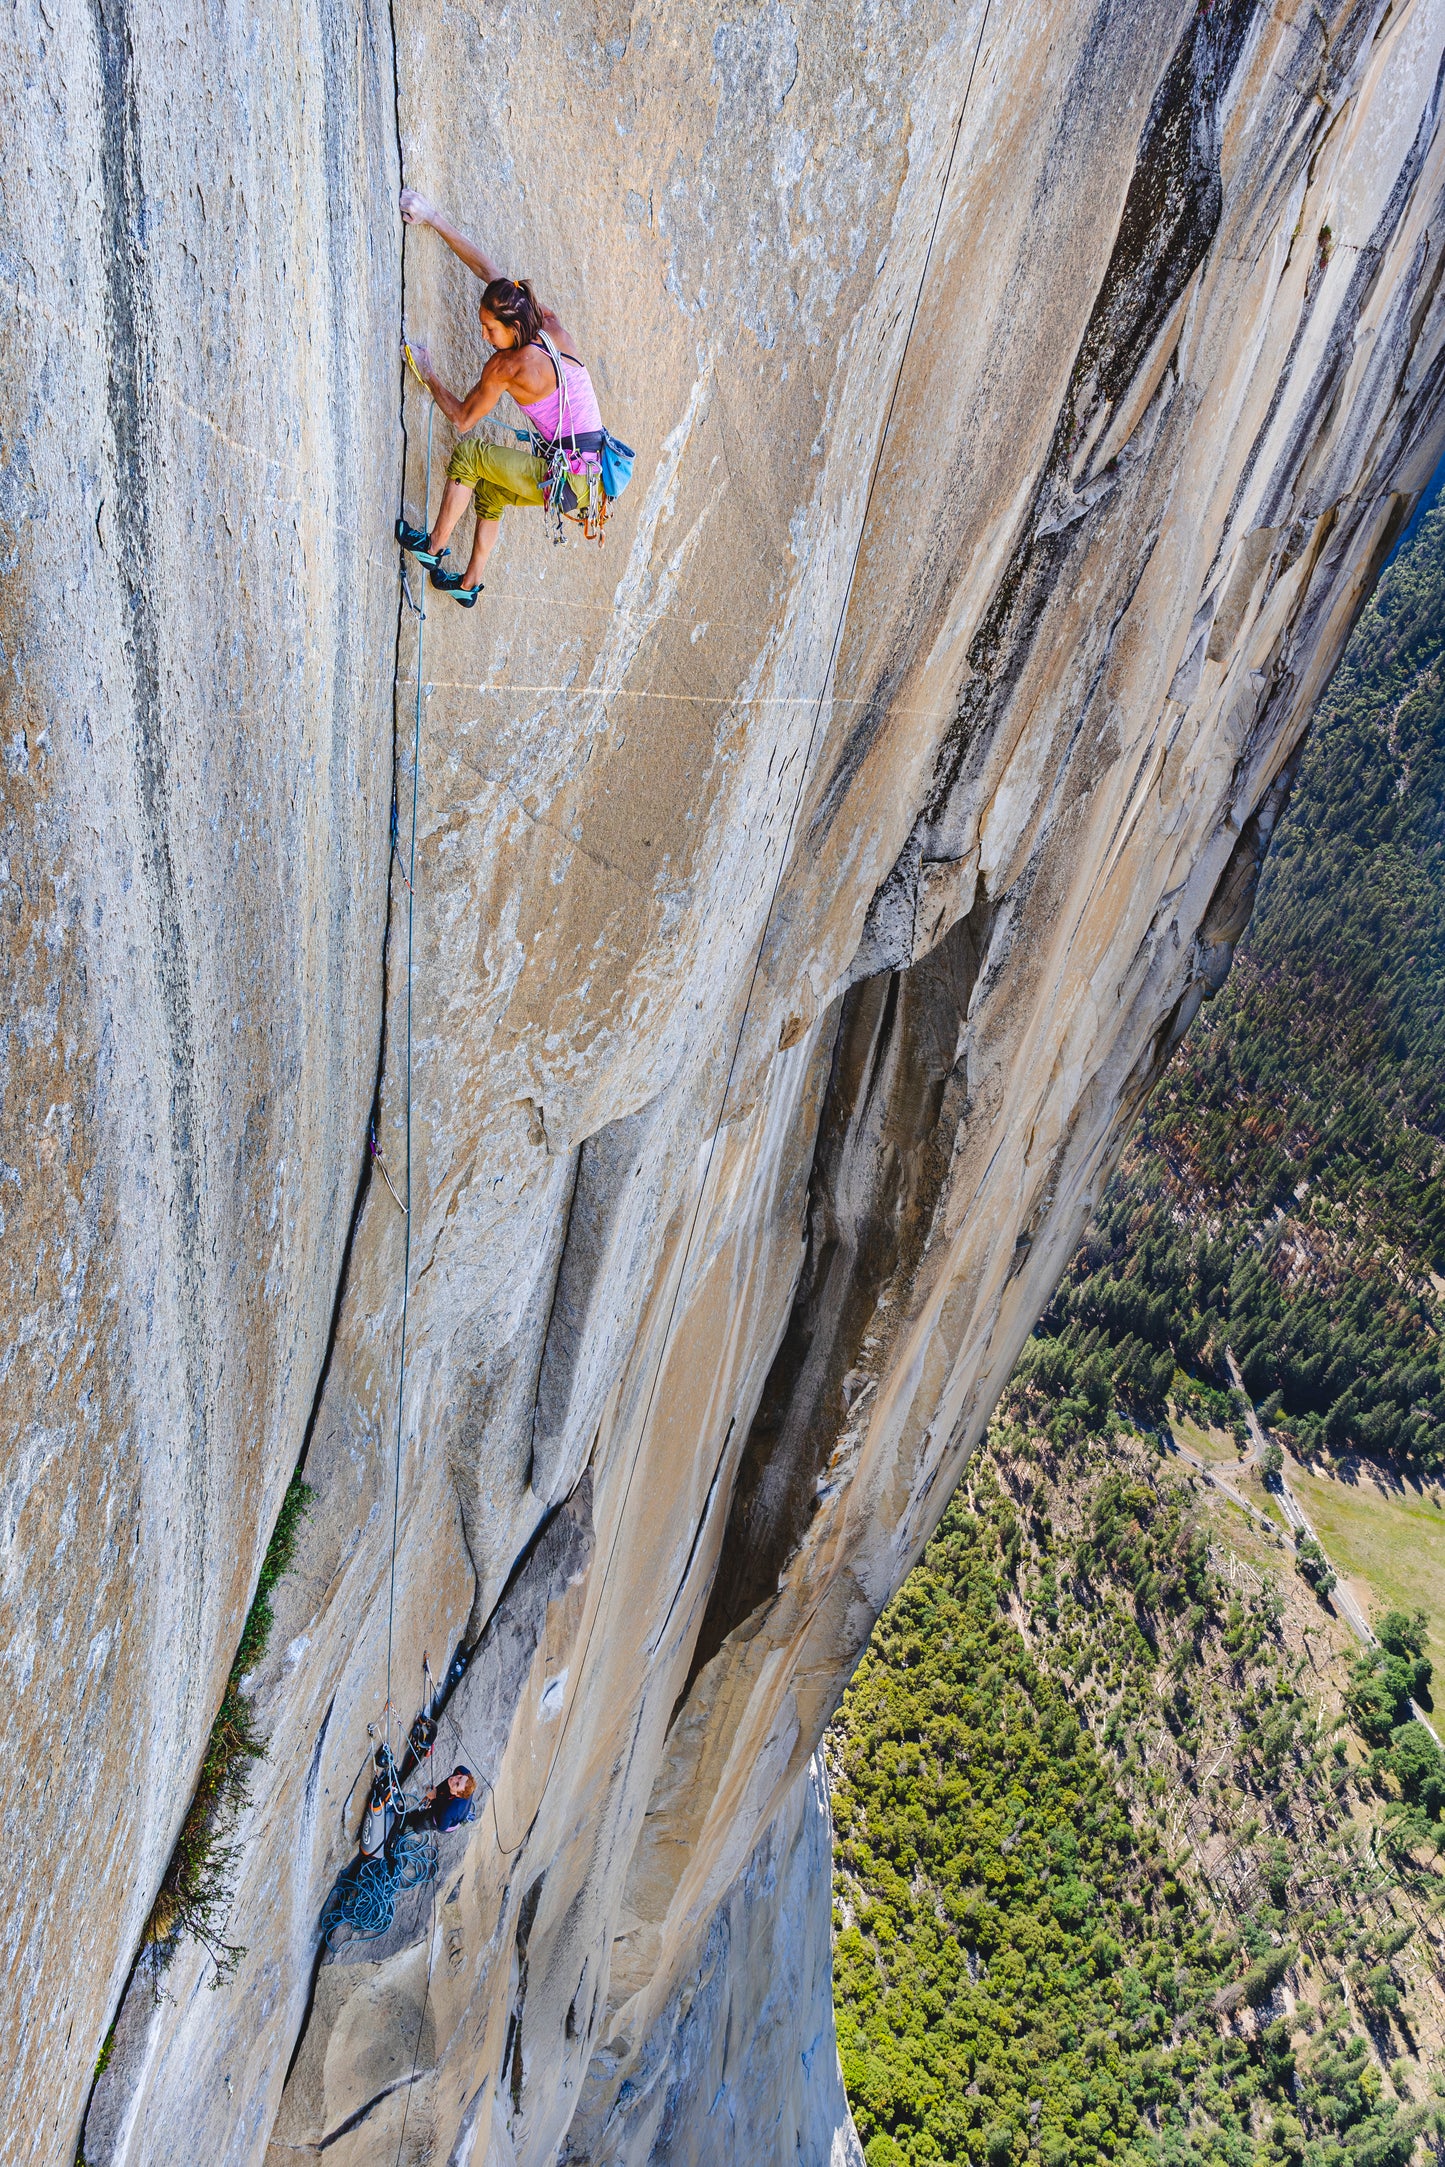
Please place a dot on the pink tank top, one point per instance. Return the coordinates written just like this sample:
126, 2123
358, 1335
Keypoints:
575, 415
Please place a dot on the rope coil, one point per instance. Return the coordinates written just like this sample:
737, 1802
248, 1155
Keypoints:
363, 1902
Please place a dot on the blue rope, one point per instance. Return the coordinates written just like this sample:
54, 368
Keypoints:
363, 1902
406, 1236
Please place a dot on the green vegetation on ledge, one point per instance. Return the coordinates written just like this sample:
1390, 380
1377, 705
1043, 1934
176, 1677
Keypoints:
195, 1890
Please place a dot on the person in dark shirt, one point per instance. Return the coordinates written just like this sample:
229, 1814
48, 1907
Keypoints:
450, 1803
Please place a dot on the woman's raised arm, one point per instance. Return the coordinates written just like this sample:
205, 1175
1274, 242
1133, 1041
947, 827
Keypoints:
419, 210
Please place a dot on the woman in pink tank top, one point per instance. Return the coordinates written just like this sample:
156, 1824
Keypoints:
535, 361
567, 412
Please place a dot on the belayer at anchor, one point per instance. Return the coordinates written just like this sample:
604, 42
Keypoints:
572, 467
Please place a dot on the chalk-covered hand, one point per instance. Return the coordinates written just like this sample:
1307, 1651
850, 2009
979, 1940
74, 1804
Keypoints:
417, 210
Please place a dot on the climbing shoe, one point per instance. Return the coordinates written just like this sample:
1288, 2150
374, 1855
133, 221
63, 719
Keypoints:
415, 539
451, 583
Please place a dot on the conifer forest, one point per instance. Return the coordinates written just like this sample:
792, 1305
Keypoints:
1139, 1804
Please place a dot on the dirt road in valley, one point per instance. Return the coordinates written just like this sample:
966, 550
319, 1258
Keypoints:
1340, 1595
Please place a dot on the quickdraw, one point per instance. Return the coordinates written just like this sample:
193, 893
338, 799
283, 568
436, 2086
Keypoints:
380, 1157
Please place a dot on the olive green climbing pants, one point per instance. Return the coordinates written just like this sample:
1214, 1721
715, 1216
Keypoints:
499, 476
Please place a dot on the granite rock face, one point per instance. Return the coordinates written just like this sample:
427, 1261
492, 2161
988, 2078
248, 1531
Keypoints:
741, 2063
198, 630
809, 887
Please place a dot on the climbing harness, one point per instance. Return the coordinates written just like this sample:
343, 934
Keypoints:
606, 462
387, 1804
559, 498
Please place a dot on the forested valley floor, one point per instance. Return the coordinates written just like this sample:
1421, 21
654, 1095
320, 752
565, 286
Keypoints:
1137, 1841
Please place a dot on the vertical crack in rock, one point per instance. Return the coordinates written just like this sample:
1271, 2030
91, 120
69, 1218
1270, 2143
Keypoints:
1312, 426
1170, 216
350, 466
704, 1522
123, 215
514, 2068
1232, 904
897, 1095
556, 1558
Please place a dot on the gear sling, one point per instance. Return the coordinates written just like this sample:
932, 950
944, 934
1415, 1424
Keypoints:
606, 462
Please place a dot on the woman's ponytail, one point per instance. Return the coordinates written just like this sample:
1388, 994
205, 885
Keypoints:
512, 302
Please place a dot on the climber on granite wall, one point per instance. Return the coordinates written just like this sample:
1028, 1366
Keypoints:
572, 467
448, 1804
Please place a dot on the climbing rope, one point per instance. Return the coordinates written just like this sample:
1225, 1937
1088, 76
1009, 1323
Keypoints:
359, 1873
420, 2027
410, 878
363, 1902
803, 774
